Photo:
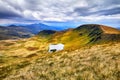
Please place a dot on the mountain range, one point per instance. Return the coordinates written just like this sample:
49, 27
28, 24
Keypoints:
84, 34
14, 31
37, 27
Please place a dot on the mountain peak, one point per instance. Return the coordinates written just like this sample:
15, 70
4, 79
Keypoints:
105, 29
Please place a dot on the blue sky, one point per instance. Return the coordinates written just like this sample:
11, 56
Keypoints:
60, 12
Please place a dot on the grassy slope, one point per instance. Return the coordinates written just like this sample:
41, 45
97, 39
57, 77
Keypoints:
72, 38
86, 35
98, 62
109, 30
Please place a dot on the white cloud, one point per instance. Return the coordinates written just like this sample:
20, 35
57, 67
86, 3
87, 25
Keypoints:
60, 10
95, 18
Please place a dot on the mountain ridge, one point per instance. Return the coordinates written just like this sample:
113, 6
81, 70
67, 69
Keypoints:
14, 32
37, 27
85, 34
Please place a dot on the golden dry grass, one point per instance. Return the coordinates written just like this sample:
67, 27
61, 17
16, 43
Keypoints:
110, 30
98, 62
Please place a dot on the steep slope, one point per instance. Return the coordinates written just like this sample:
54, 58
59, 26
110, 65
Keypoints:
100, 32
13, 32
86, 34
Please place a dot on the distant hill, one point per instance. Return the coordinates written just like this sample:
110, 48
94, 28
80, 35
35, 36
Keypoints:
86, 34
14, 32
36, 28
46, 33
119, 28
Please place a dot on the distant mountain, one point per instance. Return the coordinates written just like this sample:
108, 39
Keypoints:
14, 32
22, 30
119, 28
35, 28
86, 34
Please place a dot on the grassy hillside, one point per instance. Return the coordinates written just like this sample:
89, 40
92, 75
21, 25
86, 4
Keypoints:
98, 62
86, 35
109, 30
13, 32
46, 33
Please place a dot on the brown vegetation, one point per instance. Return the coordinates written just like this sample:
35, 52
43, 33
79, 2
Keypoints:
110, 30
32, 48
98, 62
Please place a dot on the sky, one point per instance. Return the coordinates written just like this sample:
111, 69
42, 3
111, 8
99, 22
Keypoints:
60, 11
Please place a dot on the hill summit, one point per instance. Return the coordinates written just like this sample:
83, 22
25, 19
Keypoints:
103, 28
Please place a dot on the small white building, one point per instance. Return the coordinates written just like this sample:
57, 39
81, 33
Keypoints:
56, 47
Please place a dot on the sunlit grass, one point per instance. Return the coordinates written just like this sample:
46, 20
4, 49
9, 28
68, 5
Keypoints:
98, 62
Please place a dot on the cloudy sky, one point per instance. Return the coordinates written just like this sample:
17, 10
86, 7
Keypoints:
76, 11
